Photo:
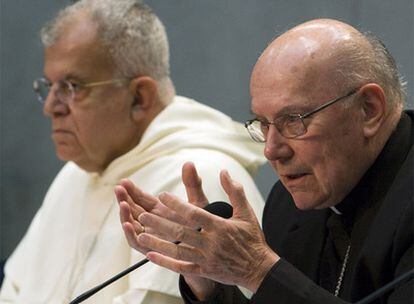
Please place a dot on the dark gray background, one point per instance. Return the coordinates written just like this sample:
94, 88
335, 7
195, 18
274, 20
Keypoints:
214, 45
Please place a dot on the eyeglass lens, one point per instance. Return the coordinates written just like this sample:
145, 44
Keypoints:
289, 127
64, 90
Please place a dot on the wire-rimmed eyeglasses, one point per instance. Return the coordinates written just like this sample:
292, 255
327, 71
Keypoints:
289, 125
67, 91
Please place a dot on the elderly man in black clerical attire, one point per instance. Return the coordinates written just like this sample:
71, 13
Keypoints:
328, 104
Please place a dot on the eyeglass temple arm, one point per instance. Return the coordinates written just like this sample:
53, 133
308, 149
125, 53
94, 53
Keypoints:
327, 104
93, 84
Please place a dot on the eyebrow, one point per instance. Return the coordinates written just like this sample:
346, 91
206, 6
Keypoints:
76, 77
69, 77
293, 109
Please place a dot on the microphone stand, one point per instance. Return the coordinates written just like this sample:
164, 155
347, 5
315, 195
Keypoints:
387, 287
221, 209
94, 290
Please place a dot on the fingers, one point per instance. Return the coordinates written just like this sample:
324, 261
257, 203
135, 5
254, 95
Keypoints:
237, 197
131, 237
174, 251
136, 196
126, 217
171, 231
193, 185
124, 212
195, 216
173, 264
132, 228
122, 196
128, 213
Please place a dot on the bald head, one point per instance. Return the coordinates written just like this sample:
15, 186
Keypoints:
308, 41
333, 56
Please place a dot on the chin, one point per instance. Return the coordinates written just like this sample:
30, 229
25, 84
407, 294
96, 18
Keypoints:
303, 206
67, 152
305, 201
63, 155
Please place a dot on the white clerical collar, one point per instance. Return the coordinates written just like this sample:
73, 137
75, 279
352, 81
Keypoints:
334, 209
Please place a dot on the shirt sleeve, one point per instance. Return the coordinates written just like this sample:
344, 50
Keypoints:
223, 294
283, 283
288, 285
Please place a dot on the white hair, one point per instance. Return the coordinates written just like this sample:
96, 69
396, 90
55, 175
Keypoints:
128, 29
359, 64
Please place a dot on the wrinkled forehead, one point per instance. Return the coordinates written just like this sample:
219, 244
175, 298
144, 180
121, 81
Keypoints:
295, 70
291, 84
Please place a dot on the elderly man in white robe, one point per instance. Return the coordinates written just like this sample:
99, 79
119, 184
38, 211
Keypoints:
114, 115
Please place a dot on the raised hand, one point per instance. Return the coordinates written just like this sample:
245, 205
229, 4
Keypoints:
231, 251
133, 201
128, 195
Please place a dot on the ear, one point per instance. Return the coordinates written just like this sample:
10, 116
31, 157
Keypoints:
145, 93
374, 108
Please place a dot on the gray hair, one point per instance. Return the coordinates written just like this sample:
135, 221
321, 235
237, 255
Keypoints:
359, 64
128, 29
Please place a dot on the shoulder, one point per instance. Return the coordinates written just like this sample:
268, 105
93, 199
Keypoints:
392, 230
280, 211
68, 171
279, 202
69, 180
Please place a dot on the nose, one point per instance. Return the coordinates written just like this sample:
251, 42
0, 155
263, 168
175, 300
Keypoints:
52, 106
277, 147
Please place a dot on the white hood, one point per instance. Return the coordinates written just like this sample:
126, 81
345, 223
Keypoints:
185, 124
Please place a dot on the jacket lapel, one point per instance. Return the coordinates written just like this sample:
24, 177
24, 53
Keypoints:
303, 243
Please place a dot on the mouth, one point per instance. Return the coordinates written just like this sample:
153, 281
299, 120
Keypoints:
294, 179
60, 136
60, 131
295, 176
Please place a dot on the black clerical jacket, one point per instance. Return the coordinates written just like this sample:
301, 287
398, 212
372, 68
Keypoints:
383, 248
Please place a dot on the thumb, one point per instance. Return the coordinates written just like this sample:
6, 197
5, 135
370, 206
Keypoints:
237, 197
193, 185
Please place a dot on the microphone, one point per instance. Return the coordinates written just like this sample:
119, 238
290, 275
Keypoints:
379, 292
221, 209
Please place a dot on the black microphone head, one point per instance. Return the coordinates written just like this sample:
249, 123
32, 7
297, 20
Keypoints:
221, 209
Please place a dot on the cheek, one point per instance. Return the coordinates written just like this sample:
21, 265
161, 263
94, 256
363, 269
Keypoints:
335, 166
103, 129
323, 172
319, 188
90, 127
